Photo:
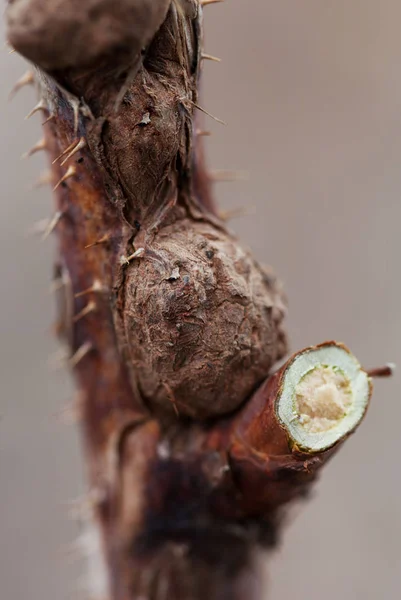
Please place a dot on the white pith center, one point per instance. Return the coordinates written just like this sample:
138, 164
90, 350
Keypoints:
322, 398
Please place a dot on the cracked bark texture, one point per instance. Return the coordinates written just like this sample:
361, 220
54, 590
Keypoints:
184, 326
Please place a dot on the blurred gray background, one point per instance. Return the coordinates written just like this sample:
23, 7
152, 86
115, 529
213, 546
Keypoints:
311, 91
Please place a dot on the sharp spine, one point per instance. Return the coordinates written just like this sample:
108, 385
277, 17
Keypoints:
207, 2
83, 507
81, 144
94, 288
102, 240
71, 171
80, 354
125, 260
46, 178
89, 308
51, 118
234, 213
209, 114
56, 285
205, 56
58, 359
27, 79
75, 104
203, 133
52, 224
66, 151
41, 105
71, 413
386, 371
39, 227
40, 145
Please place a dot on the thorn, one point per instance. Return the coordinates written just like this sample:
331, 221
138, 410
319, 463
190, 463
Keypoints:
45, 178
56, 285
208, 114
81, 508
203, 132
71, 171
80, 354
71, 413
386, 371
40, 145
207, 2
66, 151
7, 46
58, 359
205, 56
75, 103
27, 79
171, 397
102, 240
45, 226
222, 175
125, 260
41, 105
51, 118
38, 227
94, 288
89, 308
51, 225
81, 144
12, 51
242, 211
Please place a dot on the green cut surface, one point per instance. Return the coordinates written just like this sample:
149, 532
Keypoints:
324, 396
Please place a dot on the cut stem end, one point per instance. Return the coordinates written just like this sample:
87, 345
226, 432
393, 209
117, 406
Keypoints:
323, 396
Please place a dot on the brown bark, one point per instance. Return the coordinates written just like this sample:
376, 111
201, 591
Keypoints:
171, 325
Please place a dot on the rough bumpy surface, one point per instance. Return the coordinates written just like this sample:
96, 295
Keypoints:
79, 32
203, 322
